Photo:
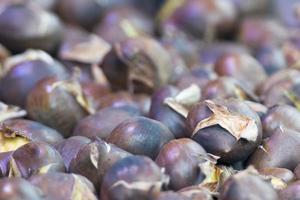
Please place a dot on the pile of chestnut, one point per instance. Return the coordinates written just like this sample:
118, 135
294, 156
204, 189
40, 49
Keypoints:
150, 99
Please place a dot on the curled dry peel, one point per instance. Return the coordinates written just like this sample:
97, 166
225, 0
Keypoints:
239, 126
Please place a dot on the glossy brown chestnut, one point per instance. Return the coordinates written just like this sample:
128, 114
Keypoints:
70, 147
246, 185
64, 186
218, 123
54, 106
35, 158
132, 178
147, 136
181, 158
24, 26
104, 121
279, 150
23, 71
18, 188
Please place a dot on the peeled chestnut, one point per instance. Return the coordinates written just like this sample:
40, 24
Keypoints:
35, 158
284, 116
24, 26
147, 136
291, 192
58, 104
34, 131
70, 147
132, 178
181, 159
247, 186
18, 189
23, 71
103, 122
242, 67
229, 128
279, 150
64, 186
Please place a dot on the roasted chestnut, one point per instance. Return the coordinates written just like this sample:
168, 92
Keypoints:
18, 188
181, 159
132, 178
147, 136
229, 128
35, 158
28, 26
64, 186
23, 71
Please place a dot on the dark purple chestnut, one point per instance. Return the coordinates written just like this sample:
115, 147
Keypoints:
104, 121
291, 192
18, 189
247, 186
297, 171
280, 150
144, 65
257, 32
229, 128
181, 159
196, 193
35, 158
58, 104
166, 115
64, 186
4, 163
200, 18
23, 71
123, 22
132, 178
243, 68
34, 131
171, 195
147, 136
225, 88
24, 26
284, 116
118, 99
70, 147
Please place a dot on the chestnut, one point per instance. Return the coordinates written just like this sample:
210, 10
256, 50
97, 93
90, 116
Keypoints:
181, 159
147, 136
104, 121
35, 158
280, 116
247, 185
243, 68
291, 191
279, 150
171, 195
4, 163
34, 131
134, 178
18, 188
118, 99
70, 147
23, 71
199, 18
21, 24
197, 193
282, 174
297, 172
64, 186
58, 104
229, 128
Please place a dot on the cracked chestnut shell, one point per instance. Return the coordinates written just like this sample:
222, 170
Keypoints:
54, 106
215, 138
132, 178
147, 136
181, 158
18, 189
35, 158
28, 26
64, 186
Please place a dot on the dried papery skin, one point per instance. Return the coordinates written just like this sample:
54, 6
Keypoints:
64, 186
279, 177
35, 158
237, 125
11, 140
182, 102
10, 112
